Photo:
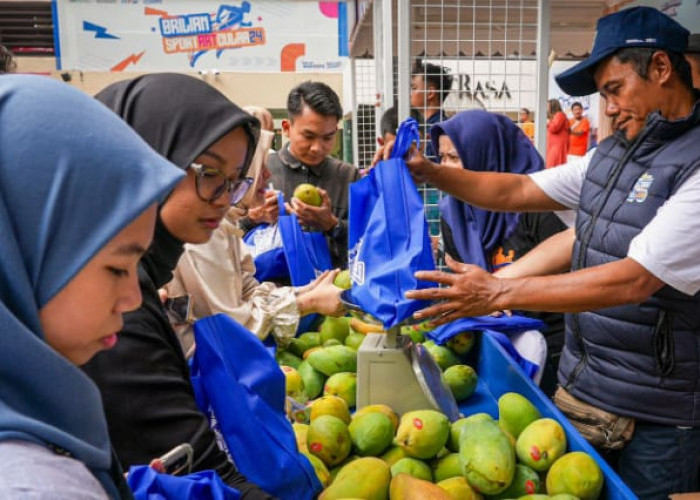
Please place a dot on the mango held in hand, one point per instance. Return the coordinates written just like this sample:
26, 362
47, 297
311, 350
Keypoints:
405, 487
371, 433
422, 433
308, 193
515, 413
328, 438
577, 474
334, 359
342, 280
541, 443
462, 381
367, 478
486, 456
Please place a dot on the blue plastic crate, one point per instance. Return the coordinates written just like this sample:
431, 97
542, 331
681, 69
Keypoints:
498, 374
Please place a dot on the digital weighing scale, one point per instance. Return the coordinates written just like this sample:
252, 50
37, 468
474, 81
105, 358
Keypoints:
395, 371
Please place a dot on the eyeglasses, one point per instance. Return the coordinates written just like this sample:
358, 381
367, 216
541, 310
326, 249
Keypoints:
212, 183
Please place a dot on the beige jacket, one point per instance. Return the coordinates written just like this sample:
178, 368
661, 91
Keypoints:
219, 277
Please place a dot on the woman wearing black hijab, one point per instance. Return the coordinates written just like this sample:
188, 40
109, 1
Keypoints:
144, 379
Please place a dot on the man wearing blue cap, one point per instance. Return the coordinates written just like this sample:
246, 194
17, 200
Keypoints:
630, 368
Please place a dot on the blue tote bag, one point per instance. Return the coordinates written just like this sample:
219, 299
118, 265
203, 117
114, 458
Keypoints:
388, 237
238, 383
147, 484
283, 250
265, 242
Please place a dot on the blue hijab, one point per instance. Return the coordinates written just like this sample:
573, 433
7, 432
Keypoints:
491, 143
72, 175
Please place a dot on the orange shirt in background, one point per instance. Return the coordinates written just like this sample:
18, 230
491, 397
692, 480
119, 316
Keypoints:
529, 129
578, 144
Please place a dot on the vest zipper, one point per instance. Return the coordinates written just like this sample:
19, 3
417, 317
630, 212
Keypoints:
585, 241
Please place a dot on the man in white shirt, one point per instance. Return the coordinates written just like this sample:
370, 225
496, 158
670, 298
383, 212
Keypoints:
633, 333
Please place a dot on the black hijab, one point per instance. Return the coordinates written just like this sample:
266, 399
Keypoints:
180, 117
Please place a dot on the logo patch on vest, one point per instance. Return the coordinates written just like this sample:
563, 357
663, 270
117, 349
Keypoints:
640, 191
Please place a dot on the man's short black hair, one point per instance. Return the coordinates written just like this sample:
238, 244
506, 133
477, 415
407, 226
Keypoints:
640, 59
575, 104
435, 76
7, 60
390, 120
316, 95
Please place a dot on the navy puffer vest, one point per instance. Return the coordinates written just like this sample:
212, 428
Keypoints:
638, 360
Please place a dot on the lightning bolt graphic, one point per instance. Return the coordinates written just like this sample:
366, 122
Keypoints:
100, 31
132, 59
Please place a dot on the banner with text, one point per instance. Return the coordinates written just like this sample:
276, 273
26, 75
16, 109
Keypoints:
181, 35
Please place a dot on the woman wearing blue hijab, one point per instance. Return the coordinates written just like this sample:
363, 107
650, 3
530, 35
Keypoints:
78, 197
478, 140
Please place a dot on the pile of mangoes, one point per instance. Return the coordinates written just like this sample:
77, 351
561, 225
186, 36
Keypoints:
375, 455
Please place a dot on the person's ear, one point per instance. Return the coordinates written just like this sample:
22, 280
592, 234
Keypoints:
430, 93
660, 69
380, 141
286, 125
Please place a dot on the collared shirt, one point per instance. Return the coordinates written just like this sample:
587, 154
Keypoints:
332, 175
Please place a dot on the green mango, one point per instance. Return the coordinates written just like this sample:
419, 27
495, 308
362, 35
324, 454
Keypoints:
576, 474
328, 438
335, 328
486, 457
442, 355
446, 467
367, 478
462, 381
313, 379
515, 412
304, 342
458, 425
541, 443
334, 359
393, 455
354, 340
422, 433
343, 385
286, 358
412, 467
371, 433
459, 489
525, 482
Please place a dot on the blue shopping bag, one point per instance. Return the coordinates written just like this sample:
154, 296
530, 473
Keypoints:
238, 383
388, 237
265, 243
499, 327
147, 484
283, 250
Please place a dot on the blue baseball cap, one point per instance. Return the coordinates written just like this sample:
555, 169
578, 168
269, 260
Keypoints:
635, 27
